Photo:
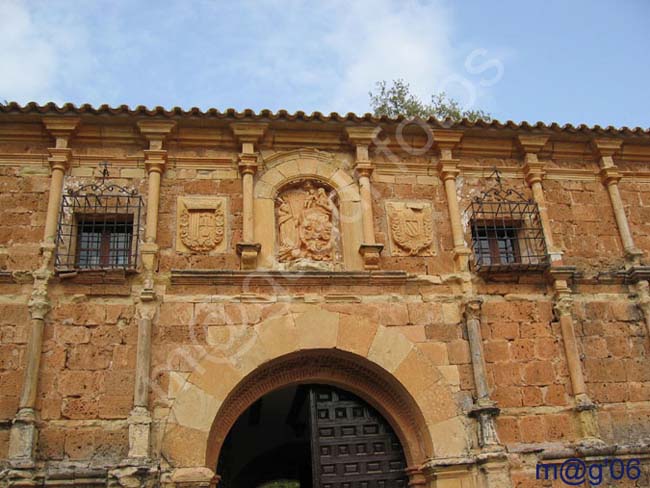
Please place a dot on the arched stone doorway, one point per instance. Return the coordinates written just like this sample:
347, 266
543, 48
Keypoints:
378, 364
311, 436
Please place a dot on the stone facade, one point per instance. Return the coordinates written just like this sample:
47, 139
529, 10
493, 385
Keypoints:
278, 250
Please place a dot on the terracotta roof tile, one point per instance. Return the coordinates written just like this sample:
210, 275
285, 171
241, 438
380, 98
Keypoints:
140, 110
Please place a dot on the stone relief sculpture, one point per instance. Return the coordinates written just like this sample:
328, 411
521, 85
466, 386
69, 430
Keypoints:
411, 228
201, 223
307, 218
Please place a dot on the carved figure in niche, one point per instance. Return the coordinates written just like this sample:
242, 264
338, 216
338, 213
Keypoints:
288, 225
307, 224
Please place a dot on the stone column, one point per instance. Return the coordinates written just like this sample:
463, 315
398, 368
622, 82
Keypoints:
485, 409
610, 176
24, 431
639, 278
247, 135
534, 174
155, 162
448, 170
361, 138
562, 309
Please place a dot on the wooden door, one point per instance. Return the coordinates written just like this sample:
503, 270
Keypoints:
352, 444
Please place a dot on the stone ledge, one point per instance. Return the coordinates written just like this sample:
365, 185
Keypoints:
288, 278
6, 277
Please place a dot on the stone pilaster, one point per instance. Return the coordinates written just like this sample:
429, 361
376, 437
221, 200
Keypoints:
24, 431
448, 170
484, 409
155, 163
610, 176
534, 175
639, 277
361, 138
248, 135
585, 407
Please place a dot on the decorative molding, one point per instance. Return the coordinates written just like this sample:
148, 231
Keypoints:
288, 278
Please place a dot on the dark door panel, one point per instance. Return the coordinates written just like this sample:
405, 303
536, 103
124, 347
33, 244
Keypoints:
352, 445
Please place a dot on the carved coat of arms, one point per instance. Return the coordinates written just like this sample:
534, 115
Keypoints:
306, 227
201, 223
411, 228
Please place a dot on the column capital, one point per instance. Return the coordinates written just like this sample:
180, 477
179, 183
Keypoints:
606, 147
448, 169
563, 305
531, 143
533, 170
364, 168
39, 307
61, 128
60, 158
247, 163
473, 307
610, 175
155, 160
248, 132
156, 131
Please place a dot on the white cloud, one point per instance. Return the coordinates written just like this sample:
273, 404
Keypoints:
384, 40
293, 54
28, 61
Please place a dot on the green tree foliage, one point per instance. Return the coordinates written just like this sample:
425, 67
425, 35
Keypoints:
398, 100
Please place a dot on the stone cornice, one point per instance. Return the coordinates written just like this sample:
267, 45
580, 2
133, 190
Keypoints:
362, 135
447, 139
156, 131
249, 132
284, 278
61, 128
531, 144
606, 147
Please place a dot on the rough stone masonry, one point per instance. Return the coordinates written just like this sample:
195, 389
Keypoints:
270, 249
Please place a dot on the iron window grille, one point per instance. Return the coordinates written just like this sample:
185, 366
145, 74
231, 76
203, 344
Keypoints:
99, 227
506, 232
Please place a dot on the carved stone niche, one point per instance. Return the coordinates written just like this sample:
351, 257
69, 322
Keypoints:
201, 224
307, 219
410, 226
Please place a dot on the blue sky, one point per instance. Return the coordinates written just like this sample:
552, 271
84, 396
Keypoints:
579, 61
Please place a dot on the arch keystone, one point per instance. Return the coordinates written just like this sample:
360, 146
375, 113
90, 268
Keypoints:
355, 334
317, 329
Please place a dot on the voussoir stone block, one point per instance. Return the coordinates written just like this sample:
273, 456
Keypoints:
272, 177
389, 348
355, 334
449, 438
182, 446
215, 375
194, 408
317, 329
279, 335
308, 166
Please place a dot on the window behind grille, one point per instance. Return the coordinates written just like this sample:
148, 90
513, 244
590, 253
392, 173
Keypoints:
506, 232
99, 227
104, 241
